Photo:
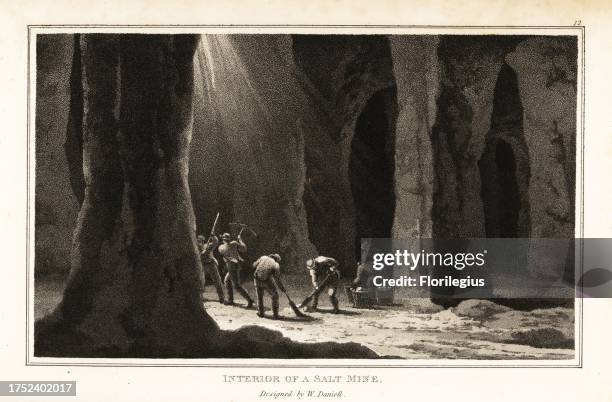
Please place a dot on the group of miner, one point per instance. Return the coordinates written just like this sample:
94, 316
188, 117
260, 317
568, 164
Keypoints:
323, 272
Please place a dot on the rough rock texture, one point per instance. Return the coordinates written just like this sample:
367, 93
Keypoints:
343, 73
479, 309
55, 204
416, 70
539, 328
281, 122
546, 70
470, 68
252, 168
550, 338
133, 289
279, 159
504, 166
258, 342
134, 259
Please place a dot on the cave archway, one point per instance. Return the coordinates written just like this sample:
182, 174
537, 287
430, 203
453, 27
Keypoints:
504, 165
372, 166
341, 74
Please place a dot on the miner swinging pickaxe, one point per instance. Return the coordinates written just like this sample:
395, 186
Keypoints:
242, 226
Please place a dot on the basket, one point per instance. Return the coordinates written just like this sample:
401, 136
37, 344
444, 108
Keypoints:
359, 298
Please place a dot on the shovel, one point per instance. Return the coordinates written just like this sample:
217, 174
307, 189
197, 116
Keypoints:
317, 290
295, 309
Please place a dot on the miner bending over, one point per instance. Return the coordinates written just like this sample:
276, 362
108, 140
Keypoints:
325, 275
267, 277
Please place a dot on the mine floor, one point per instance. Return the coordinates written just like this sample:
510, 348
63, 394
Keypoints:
417, 329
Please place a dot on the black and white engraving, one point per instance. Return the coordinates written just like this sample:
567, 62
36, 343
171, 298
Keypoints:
206, 196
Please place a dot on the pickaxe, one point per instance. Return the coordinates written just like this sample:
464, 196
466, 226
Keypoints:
243, 226
214, 226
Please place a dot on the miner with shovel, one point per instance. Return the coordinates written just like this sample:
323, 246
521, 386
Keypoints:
325, 275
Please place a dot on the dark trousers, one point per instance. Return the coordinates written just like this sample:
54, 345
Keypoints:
331, 285
269, 286
212, 269
232, 281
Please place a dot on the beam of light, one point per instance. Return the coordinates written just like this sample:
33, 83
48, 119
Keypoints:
234, 96
228, 85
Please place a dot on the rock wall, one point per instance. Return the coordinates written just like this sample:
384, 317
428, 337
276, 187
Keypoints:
417, 73
546, 70
279, 159
342, 73
275, 118
252, 168
504, 165
470, 66
55, 204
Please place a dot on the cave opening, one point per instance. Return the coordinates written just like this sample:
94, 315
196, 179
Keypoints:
372, 166
500, 192
504, 166
348, 158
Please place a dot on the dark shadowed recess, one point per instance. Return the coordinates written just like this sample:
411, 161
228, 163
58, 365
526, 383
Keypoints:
462, 59
372, 166
504, 165
505, 173
351, 76
246, 342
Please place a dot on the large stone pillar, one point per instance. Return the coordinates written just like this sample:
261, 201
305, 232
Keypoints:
135, 262
546, 70
417, 74
56, 207
95, 236
470, 68
156, 126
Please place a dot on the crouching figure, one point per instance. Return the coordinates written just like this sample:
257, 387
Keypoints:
325, 275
